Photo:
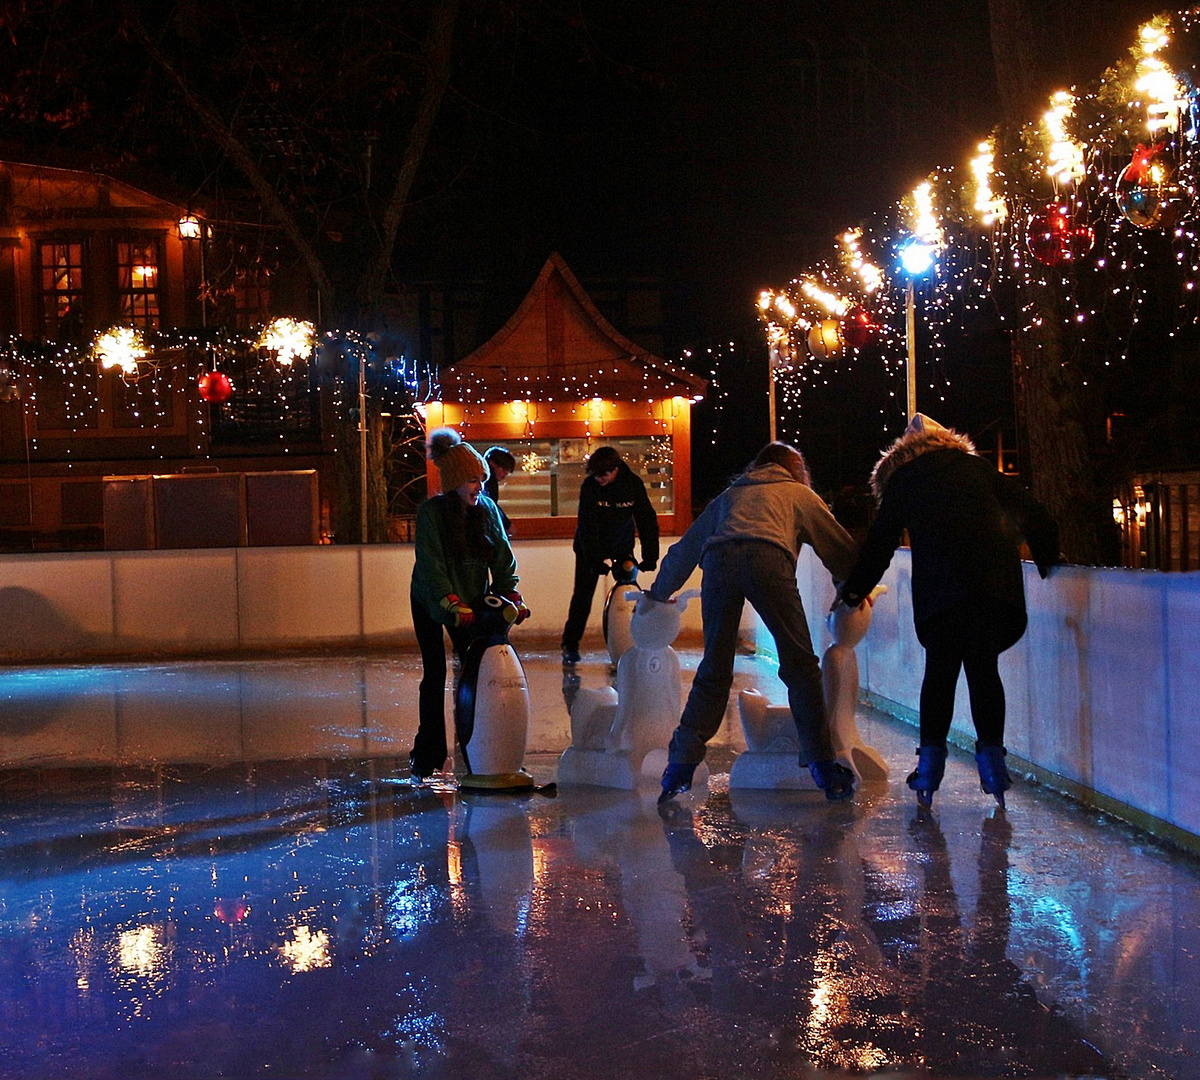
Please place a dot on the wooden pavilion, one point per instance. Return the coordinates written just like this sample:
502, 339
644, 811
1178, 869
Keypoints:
553, 384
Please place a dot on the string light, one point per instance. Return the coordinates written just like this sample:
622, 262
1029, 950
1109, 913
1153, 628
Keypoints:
1084, 142
1064, 165
989, 206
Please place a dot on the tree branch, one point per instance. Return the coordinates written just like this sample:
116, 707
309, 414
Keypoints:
437, 53
221, 133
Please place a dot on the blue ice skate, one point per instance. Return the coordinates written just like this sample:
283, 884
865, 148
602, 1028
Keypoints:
926, 778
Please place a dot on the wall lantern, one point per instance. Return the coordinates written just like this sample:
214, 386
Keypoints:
189, 227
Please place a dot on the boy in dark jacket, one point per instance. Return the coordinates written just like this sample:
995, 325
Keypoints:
612, 504
965, 522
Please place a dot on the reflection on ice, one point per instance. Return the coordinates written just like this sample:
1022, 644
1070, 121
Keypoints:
222, 870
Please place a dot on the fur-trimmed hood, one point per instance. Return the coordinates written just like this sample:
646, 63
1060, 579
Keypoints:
910, 446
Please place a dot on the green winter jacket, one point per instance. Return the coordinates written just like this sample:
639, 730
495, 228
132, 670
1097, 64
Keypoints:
439, 572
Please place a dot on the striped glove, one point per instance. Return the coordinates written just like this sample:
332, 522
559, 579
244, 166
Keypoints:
455, 609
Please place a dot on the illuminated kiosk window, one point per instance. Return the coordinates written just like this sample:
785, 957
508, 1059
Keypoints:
550, 472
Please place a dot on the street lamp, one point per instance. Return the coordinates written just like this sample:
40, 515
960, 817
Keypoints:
917, 257
190, 227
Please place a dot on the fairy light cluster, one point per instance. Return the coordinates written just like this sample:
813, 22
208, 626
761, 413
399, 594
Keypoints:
289, 339
1165, 96
121, 347
1064, 159
126, 381
1120, 212
989, 206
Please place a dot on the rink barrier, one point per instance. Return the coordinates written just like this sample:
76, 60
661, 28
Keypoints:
98, 605
1103, 691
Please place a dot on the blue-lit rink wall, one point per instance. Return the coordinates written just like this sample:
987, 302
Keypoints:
1103, 691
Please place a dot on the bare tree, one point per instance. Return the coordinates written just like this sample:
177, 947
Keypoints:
1056, 410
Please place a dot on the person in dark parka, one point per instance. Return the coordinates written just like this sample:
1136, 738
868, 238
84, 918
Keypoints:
965, 522
612, 504
500, 463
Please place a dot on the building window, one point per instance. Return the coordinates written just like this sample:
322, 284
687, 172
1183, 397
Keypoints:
62, 291
251, 298
550, 472
137, 283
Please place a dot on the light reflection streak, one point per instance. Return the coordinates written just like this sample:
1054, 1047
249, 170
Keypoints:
142, 951
307, 951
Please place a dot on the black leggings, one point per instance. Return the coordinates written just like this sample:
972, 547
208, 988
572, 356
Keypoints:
969, 636
429, 748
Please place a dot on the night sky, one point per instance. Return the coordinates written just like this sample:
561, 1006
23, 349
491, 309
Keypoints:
720, 148
716, 148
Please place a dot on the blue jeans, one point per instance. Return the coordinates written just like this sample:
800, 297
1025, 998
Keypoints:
737, 571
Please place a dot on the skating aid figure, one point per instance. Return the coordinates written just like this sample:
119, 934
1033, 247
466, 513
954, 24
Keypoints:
491, 704
617, 736
769, 760
618, 607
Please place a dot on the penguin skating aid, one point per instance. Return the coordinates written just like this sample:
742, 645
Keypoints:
491, 705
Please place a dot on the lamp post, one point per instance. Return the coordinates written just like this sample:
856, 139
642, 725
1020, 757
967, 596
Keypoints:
916, 257
190, 227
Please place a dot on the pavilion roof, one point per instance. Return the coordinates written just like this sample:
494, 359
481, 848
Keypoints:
558, 347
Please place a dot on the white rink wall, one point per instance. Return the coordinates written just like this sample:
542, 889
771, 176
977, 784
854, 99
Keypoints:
68, 605
1103, 691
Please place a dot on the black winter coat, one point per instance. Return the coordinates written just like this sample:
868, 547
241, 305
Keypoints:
608, 515
965, 522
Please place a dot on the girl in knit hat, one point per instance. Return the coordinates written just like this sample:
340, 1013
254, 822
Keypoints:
462, 554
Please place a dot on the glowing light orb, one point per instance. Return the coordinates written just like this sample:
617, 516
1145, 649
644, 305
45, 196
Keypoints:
916, 256
289, 339
121, 347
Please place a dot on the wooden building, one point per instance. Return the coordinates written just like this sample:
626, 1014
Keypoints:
557, 381
81, 253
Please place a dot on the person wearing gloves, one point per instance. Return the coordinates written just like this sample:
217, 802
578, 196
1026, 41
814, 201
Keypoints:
965, 521
462, 554
612, 503
747, 542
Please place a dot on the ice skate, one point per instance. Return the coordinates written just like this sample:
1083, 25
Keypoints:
833, 778
926, 778
676, 779
993, 775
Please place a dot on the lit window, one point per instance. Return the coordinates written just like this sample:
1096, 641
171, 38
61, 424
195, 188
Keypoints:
550, 472
62, 292
137, 284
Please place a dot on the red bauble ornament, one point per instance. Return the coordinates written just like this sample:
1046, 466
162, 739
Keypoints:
215, 387
857, 327
1055, 238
